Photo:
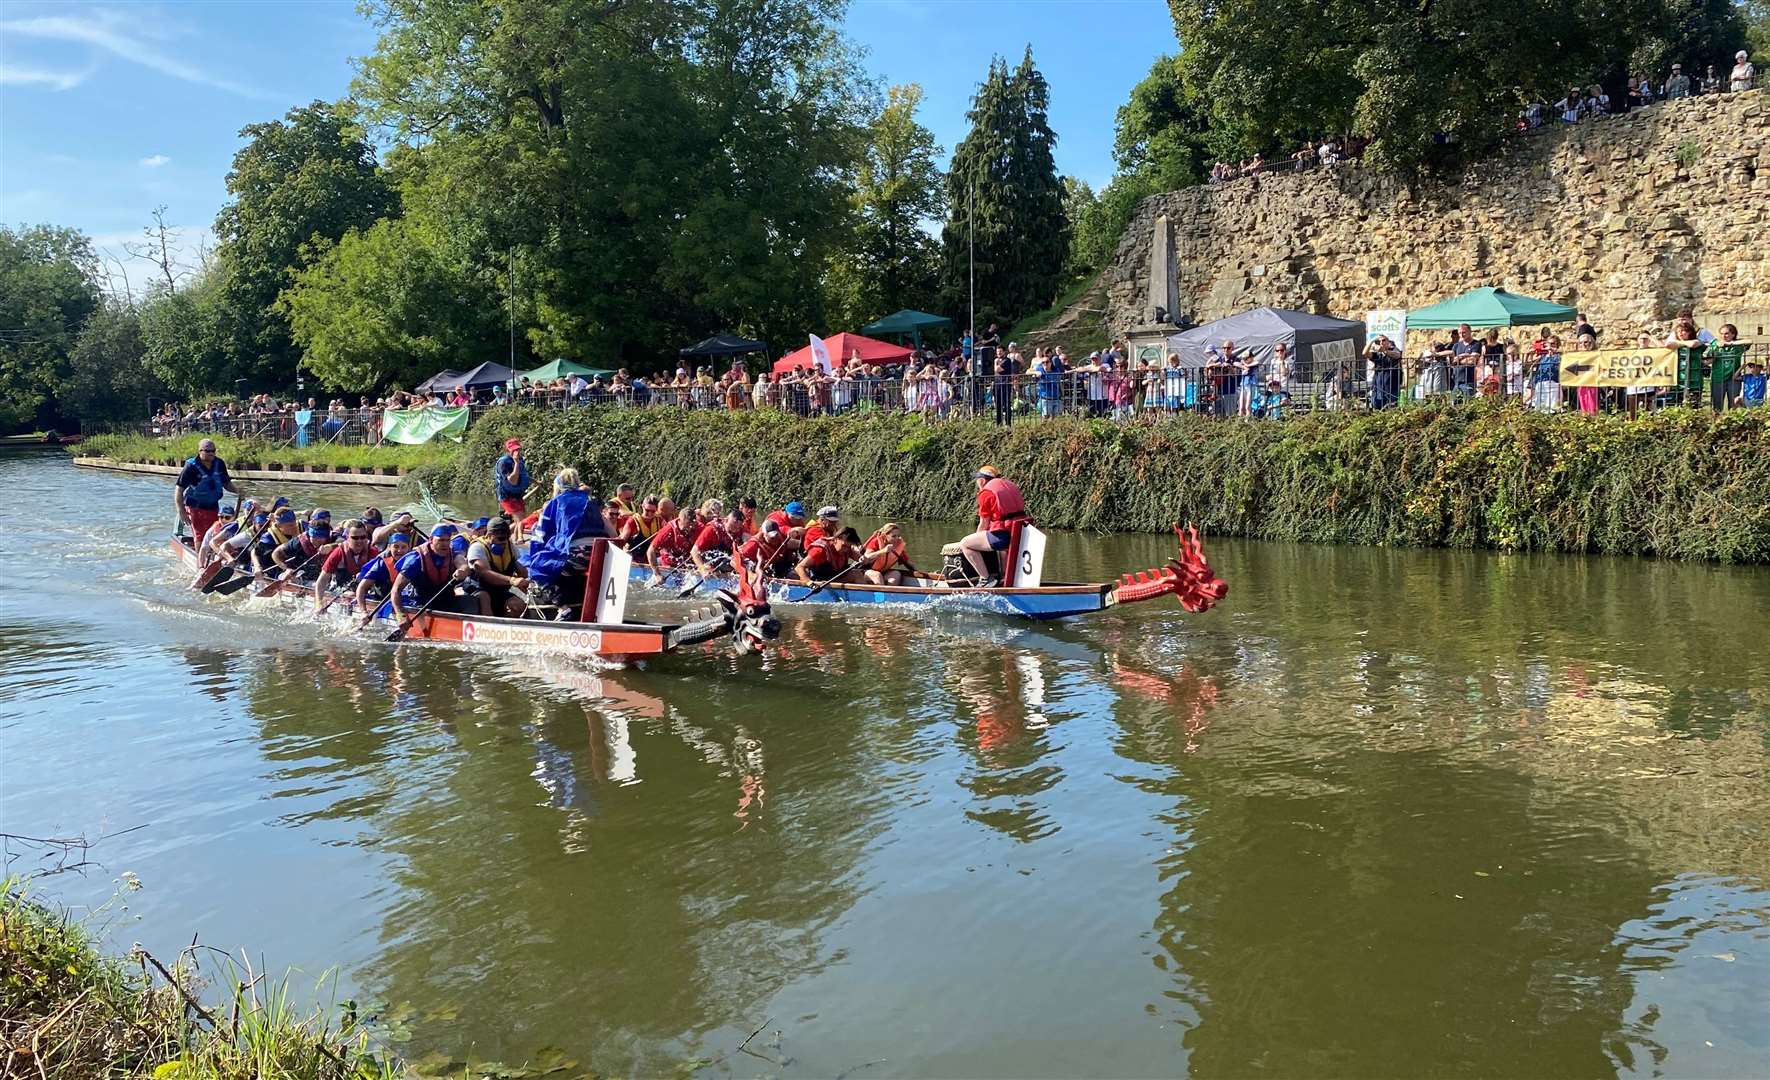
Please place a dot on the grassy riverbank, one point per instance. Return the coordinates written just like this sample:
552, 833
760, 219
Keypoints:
1683, 484
252, 453
67, 1010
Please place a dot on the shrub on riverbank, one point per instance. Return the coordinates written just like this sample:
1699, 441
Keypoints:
67, 1010
242, 453
1679, 483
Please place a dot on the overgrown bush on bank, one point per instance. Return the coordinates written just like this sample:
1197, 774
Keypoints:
66, 1010
1679, 483
247, 453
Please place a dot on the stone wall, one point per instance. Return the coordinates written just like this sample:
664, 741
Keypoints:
1601, 216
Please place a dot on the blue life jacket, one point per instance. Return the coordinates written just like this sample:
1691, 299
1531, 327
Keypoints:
206, 493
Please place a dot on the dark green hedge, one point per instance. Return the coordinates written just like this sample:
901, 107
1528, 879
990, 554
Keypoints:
1679, 483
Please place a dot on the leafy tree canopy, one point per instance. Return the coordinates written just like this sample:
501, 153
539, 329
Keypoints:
1003, 194
1416, 77
48, 287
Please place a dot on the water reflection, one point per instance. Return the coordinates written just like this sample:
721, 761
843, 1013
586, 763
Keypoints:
1382, 813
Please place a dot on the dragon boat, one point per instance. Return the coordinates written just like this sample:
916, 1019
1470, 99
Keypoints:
609, 636
1187, 576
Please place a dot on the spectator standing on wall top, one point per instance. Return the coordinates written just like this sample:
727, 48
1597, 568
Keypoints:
1711, 83
1744, 75
1678, 86
512, 481
1385, 361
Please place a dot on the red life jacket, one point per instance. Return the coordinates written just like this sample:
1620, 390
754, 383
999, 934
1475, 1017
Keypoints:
1010, 507
349, 564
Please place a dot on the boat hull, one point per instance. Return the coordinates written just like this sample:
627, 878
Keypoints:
607, 641
1046, 602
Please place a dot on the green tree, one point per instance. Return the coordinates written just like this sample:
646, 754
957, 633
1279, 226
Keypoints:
1756, 16
190, 338
108, 376
1004, 185
390, 305
1424, 81
898, 188
307, 178
48, 288
652, 171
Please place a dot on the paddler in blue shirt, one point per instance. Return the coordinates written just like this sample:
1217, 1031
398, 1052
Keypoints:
431, 573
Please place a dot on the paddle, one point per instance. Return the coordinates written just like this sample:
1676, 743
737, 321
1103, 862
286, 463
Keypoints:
695, 579
827, 582
295, 574
399, 632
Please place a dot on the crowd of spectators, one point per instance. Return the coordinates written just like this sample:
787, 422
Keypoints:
1576, 105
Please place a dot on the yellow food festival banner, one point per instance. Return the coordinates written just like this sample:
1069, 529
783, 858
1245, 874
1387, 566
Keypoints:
1620, 367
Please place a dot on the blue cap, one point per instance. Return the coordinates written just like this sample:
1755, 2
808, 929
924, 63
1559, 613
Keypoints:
285, 515
227, 511
444, 529
795, 509
481, 522
261, 517
319, 530
281, 500
320, 515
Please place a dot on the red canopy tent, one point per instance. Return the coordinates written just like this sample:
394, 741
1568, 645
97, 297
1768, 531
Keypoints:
842, 348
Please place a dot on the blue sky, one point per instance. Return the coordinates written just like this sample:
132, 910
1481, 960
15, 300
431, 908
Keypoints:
108, 110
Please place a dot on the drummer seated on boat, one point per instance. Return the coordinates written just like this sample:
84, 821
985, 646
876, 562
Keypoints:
714, 544
1000, 510
830, 558
374, 581
887, 560
501, 576
430, 575
344, 562
301, 556
670, 548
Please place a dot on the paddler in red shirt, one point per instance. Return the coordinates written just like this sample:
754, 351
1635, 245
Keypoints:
670, 547
715, 544
1000, 508
829, 523
830, 558
748, 507
756, 556
789, 517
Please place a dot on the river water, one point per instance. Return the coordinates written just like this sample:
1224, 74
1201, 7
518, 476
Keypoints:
1381, 813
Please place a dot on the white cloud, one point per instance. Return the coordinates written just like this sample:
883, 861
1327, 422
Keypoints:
125, 38
14, 75
154, 162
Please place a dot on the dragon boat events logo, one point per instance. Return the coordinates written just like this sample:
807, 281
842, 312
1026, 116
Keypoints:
589, 641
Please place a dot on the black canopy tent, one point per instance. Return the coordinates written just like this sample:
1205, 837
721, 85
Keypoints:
725, 345
433, 383
1316, 342
490, 373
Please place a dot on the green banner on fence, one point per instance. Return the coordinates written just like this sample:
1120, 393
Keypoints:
422, 425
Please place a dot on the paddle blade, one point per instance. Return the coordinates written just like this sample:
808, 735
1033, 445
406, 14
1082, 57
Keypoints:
694, 582
232, 585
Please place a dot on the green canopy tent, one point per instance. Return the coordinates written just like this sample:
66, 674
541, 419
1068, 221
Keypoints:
906, 323
559, 369
1486, 307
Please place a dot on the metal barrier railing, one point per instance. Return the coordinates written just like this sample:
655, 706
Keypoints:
1141, 392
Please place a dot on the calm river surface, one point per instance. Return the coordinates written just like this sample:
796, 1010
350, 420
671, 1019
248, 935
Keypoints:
1383, 813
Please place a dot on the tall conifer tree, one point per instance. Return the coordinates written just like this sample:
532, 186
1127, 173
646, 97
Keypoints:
1004, 178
